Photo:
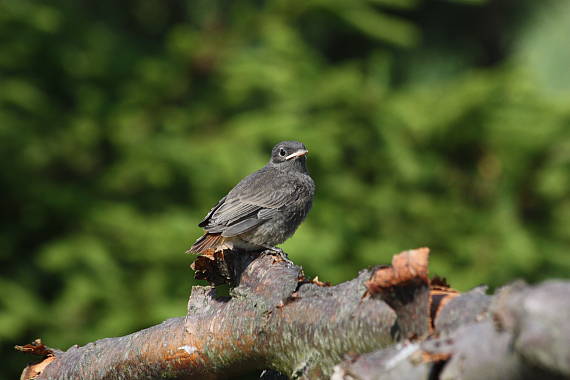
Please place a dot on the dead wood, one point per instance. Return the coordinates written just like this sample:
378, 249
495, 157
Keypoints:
388, 322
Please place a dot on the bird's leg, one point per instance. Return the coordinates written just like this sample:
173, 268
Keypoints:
279, 253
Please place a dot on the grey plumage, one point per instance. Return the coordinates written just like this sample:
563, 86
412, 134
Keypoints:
263, 209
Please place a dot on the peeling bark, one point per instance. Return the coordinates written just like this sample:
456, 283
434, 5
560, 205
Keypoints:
388, 322
520, 333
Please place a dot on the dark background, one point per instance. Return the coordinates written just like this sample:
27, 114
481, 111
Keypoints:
429, 123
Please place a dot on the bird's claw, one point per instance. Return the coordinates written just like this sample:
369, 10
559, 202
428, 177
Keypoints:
276, 251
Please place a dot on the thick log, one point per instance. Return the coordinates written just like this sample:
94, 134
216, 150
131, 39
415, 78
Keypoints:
520, 333
389, 322
274, 318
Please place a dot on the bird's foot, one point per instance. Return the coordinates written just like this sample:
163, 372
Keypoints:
281, 254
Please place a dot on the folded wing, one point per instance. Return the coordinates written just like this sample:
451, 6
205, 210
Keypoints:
252, 202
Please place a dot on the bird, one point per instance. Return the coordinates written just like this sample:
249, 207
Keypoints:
264, 209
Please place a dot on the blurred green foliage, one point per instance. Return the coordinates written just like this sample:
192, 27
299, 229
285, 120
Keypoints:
430, 123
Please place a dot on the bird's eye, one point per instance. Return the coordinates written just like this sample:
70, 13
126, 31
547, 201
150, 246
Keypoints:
282, 152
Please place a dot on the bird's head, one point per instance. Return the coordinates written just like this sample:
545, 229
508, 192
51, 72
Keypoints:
289, 154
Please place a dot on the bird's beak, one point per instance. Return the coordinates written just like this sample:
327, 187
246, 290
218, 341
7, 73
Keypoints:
299, 153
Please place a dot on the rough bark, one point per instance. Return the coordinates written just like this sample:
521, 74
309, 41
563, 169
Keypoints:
388, 322
520, 333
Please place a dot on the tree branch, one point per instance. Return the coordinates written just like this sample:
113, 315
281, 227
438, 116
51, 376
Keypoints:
388, 321
273, 319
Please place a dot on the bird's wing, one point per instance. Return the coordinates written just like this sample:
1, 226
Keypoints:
241, 227
204, 221
252, 202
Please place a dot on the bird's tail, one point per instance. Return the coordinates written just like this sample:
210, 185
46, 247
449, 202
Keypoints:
207, 244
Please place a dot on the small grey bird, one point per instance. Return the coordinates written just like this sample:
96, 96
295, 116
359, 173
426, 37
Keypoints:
265, 208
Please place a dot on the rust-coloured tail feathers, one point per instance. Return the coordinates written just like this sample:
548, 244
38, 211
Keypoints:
207, 244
